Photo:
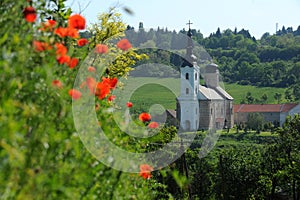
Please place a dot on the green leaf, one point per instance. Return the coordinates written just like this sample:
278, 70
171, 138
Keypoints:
4, 38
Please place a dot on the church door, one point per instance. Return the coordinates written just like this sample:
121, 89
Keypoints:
187, 125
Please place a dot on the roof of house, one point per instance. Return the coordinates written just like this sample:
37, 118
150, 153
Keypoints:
223, 93
246, 108
172, 112
208, 93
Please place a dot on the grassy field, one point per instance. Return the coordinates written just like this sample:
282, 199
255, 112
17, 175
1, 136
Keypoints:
145, 92
239, 92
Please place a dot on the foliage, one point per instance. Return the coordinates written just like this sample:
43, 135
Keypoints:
41, 154
289, 142
255, 121
271, 61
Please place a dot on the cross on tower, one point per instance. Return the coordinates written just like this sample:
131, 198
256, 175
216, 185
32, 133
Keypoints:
189, 24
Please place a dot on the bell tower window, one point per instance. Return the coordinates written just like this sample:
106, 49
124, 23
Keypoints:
187, 90
187, 76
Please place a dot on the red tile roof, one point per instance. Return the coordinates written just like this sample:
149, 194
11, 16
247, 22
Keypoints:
245, 108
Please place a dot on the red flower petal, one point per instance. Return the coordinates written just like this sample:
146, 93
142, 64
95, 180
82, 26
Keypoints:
57, 83
48, 25
41, 46
61, 32
81, 42
29, 14
112, 82
111, 98
145, 171
91, 84
60, 49
124, 44
102, 90
72, 32
129, 104
144, 117
76, 21
153, 125
101, 48
75, 94
91, 69
73, 62
64, 59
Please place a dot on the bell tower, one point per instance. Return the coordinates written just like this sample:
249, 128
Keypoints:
187, 102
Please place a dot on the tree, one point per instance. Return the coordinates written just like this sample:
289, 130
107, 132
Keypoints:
264, 98
218, 33
288, 95
245, 33
249, 98
277, 96
255, 121
239, 174
289, 141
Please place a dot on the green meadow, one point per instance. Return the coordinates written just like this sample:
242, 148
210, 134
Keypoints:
148, 91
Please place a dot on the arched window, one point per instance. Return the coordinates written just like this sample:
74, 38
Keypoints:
196, 75
187, 90
187, 76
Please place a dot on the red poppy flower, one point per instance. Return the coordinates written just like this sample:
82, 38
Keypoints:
111, 98
91, 84
129, 104
91, 69
57, 83
76, 21
81, 42
144, 117
72, 32
61, 32
153, 125
73, 63
29, 14
48, 25
112, 82
124, 44
101, 48
102, 90
41, 46
60, 49
75, 94
64, 59
145, 171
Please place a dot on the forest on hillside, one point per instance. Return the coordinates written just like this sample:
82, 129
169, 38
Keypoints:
269, 61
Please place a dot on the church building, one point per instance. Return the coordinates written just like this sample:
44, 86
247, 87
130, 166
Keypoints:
201, 107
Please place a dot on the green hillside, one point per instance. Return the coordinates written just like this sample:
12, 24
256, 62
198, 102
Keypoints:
149, 91
239, 92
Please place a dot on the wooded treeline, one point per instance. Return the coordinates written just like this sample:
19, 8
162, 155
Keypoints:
270, 61
255, 167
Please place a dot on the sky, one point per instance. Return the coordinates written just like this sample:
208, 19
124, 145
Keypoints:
257, 16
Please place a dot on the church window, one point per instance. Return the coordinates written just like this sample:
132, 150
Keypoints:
187, 90
211, 111
196, 111
196, 76
187, 76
